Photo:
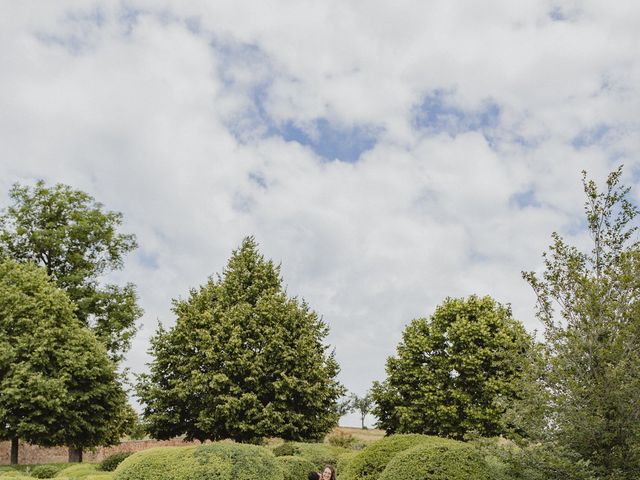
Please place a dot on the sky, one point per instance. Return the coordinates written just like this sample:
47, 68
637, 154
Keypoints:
388, 154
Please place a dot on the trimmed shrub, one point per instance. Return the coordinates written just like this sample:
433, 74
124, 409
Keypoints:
110, 463
285, 450
370, 462
318, 453
216, 461
344, 460
341, 439
44, 471
438, 462
295, 468
77, 471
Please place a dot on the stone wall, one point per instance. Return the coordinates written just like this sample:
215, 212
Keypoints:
32, 454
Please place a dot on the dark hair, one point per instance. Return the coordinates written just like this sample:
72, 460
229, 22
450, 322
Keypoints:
314, 476
333, 471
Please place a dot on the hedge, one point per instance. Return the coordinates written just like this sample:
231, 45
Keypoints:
370, 462
110, 463
78, 471
438, 462
318, 453
295, 468
215, 461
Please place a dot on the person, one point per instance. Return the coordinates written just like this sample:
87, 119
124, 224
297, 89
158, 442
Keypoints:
314, 476
329, 473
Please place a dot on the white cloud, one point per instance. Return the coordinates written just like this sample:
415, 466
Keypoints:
142, 104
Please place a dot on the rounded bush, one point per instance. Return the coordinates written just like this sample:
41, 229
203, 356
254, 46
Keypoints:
44, 471
285, 450
438, 462
370, 462
318, 453
295, 468
215, 461
110, 463
78, 471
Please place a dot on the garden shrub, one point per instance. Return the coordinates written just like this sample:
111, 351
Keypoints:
77, 471
285, 450
438, 462
110, 463
318, 453
217, 461
295, 468
44, 471
344, 460
341, 439
370, 462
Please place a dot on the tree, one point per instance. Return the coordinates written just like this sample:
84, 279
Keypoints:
57, 383
454, 373
363, 405
243, 361
68, 233
589, 304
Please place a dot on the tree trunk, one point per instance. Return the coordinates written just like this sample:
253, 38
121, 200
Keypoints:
14, 450
75, 454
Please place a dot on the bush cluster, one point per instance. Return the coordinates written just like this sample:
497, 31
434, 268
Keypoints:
78, 471
371, 462
110, 463
45, 471
318, 454
285, 450
341, 439
216, 461
295, 468
438, 462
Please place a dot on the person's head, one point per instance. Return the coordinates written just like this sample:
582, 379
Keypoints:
328, 473
314, 476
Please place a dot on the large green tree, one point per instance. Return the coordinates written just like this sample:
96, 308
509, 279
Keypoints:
454, 373
72, 236
243, 361
58, 386
589, 304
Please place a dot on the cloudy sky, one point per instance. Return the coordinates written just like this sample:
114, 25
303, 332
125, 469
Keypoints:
389, 154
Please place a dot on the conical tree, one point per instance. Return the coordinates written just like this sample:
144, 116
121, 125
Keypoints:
243, 361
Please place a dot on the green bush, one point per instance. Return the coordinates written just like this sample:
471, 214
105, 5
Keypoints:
438, 462
44, 471
110, 463
370, 462
217, 461
285, 450
318, 453
344, 460
77, 471
295, 468
341, 439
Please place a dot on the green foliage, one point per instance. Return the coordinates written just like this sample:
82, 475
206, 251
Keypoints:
59, 386
588, 303
455, 373
545, 461
341, 439
80, 471
295, 468
243, 362
207, 462
344, 461
438, 462
371, 462
318, 453
287, 449
67, 232
363, 405
110, 463
44, 471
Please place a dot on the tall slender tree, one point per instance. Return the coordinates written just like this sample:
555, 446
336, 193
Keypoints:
243, 361
589, 303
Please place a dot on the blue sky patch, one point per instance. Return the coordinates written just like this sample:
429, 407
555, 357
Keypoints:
590, 136
331, 141
525, 199
438, 114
